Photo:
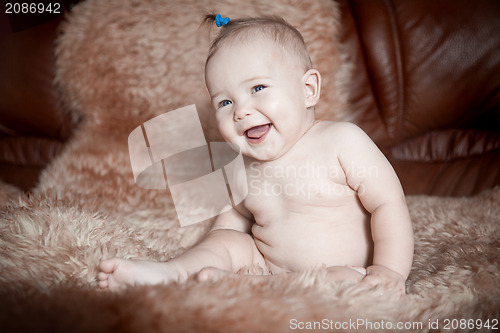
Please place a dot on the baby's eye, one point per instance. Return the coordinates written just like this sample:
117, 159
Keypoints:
225, 102
258, 88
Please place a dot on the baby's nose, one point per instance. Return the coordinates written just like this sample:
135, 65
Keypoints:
242, 111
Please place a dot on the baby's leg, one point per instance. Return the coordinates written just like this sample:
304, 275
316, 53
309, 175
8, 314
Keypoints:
225, 250
245, 243
346, 273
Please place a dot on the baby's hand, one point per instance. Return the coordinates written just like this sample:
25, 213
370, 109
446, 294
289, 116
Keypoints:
380, 275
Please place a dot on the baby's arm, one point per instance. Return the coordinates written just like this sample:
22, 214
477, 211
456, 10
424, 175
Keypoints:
370, 174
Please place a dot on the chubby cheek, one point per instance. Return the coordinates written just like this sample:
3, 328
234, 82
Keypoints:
226, 128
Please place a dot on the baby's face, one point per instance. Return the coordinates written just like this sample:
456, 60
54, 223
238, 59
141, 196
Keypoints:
258, 92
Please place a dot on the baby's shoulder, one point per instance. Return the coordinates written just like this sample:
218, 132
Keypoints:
338, 132
347, 140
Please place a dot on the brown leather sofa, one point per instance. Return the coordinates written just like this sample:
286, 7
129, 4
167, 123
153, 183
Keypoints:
33, 126
425, 87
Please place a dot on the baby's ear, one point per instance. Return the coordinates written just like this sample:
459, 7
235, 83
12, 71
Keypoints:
312, 87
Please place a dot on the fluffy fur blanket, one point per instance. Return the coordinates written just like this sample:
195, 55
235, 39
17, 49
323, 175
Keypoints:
122, 62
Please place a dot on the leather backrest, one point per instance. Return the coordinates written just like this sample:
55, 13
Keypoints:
423, 65
28, 101
425, 86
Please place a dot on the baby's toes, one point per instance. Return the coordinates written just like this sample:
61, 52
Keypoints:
102, 276
103, 283
109, 265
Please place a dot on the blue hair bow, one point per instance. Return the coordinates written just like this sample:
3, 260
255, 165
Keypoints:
221, 21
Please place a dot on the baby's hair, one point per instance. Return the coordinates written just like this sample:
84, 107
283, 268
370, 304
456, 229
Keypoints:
273, 27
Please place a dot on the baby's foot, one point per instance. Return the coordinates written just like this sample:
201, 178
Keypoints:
212, 274
117, 273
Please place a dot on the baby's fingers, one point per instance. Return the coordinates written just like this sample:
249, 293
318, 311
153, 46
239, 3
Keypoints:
372, 280
358, 269
394, 288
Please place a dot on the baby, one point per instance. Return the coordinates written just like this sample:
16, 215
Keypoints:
320, 193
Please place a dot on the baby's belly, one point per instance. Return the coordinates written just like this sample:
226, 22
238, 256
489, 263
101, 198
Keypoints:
298, 241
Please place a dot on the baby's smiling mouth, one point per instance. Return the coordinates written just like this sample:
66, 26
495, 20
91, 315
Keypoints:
257, 134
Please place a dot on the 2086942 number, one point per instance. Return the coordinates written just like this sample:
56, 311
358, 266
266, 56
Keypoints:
32, 8
470, 324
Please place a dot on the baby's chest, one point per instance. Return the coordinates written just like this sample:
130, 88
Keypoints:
296, 185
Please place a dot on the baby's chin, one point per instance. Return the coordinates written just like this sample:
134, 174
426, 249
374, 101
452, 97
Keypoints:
262, 154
